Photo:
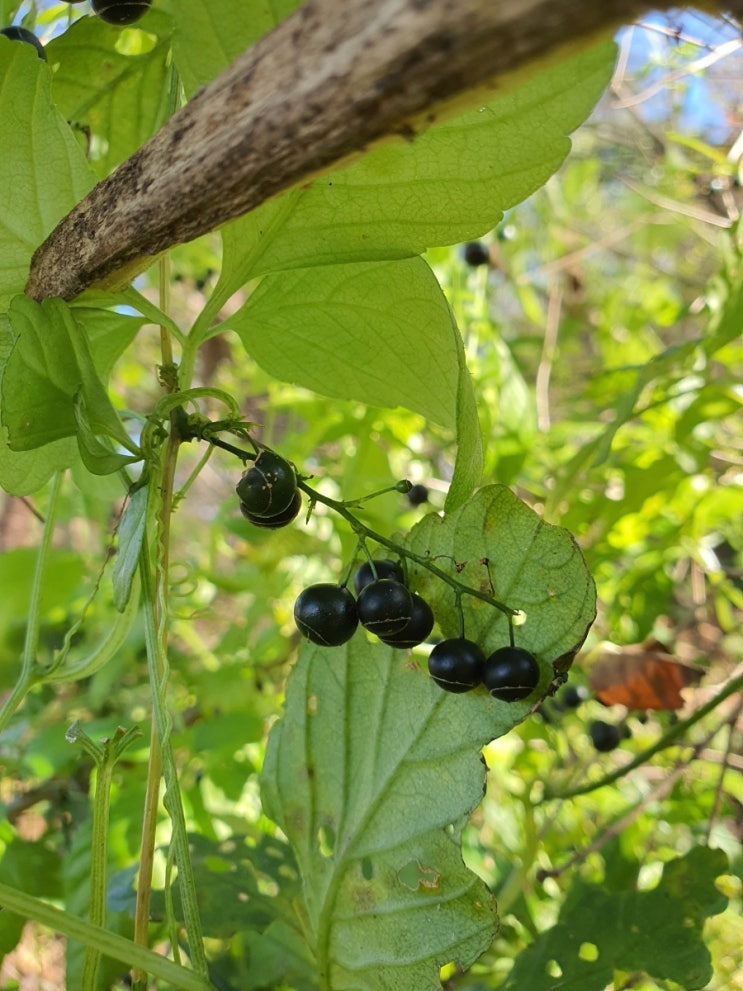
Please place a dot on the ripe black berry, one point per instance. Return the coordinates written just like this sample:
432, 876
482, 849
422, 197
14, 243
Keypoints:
277, 521
269, 486
418, 495
384, 568
385, 607
476, 253
121, 11
326, 614
572, 696
416, 631
510, 673
17, 33
604, 736
456, 665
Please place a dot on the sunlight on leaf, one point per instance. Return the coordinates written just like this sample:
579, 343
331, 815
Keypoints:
119, 98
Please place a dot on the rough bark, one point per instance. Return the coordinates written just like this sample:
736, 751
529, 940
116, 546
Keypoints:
332, 80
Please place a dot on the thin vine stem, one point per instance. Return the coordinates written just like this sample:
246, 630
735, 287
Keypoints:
366, 533
361, 529
31, 642
669, 738
110, 943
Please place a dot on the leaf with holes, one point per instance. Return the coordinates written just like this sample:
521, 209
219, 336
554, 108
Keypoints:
658, 932
371, 774
497, 545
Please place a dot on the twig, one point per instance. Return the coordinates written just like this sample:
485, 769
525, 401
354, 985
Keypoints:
716, 55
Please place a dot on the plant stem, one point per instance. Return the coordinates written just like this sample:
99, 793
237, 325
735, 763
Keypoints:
110, 944
155, 588
31, 641
105, 759
147, 851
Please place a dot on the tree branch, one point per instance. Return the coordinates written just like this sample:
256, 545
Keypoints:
331, 81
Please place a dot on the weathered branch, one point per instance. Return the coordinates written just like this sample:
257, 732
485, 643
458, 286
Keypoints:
332, 80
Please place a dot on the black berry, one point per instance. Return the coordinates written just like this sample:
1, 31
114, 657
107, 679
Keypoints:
269, 486
416, 631
604, 736
121, 11
277, 521
17, 33
326, 614
476, 253
418, 495
384, 569
572, 696
510, 673
456, 665
385, 607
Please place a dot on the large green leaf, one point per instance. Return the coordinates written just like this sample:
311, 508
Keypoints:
499, 546
450, 184
658, 932
381, 333
120, 97
44, 169
210, 36
378, 333
371, 774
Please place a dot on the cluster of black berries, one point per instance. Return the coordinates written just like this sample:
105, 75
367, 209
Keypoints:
604, 736
268, 492
329, 614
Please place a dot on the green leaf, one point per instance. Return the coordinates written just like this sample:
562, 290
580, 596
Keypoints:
229, 878
658, 932
44, 168
33, 867
97, 455
131, 534
109, 332
278, 958
378, 333
450, 184
209, 37
51, 364
371, 774
533, 566
119, 96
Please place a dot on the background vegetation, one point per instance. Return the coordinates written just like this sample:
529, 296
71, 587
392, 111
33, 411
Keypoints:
603, 340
